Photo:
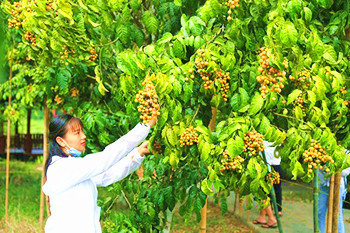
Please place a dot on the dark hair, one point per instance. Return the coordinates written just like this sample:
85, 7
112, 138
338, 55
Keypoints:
58, 127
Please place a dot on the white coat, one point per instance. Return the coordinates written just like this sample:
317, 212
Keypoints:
71, 183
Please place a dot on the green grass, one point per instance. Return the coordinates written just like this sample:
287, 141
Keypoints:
24, 196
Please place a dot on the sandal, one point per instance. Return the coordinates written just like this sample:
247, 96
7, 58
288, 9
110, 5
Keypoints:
258, 222
269, 226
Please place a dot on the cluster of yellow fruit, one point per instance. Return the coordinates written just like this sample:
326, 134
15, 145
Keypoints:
234, 164
58, 100
232, 4
31, 38
15, 22
148, 102
253, 143
274, 177
302, 78
299, 101
271, 79
74, 92
201, 64
65, 54
224, 79
49, 6
189, 137
93, 55
343, 90
316, 156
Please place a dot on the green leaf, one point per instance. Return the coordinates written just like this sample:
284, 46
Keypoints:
330, 54
256, 104
325, 3
205, 188
297, 170
307, 14
298, 113
292, 96
288, 34
167, 37
178, 2
312, 98
235, 146
205, 151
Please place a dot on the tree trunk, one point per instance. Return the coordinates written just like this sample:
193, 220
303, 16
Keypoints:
8, 140
203, 224
45, 155
330, 205
28, 143
336, 198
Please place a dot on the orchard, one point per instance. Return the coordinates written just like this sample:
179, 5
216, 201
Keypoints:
222, 77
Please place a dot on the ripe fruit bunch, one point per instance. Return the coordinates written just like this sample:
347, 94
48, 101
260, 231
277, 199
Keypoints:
234, 164
31, 38
223, 78
157, 147
343, 90
201, 65
15, 22
74, 92
316, 156
302, 78
253, 143
189, 137
191, 75
93, 55
49, 5
274, 177
65, 54
148, 102
299, 101
58, 100
232, 4
271, 79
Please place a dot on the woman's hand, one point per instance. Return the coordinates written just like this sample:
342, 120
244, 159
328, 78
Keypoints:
143, 148
153, 120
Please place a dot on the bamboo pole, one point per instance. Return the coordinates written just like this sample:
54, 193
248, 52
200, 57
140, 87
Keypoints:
8, 142
45, 155
336, 200
330, 205
316, 193
203, 224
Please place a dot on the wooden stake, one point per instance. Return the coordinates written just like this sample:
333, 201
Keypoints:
330, 205
247, 216
8, 142
240, 207
235, 205
45, 155
336, 199
203, 224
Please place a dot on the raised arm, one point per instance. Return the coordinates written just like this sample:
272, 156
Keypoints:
68, 172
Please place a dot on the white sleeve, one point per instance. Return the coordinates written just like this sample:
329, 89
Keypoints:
70, 171
120, 170
345, 172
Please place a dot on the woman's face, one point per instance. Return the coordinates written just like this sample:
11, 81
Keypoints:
74, 137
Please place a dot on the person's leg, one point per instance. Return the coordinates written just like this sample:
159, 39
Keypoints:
341, 227
262, 217
322, 208
271, 219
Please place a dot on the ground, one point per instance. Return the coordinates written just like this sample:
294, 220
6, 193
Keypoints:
24, 207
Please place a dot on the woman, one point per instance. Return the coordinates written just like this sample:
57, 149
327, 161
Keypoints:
72, 180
